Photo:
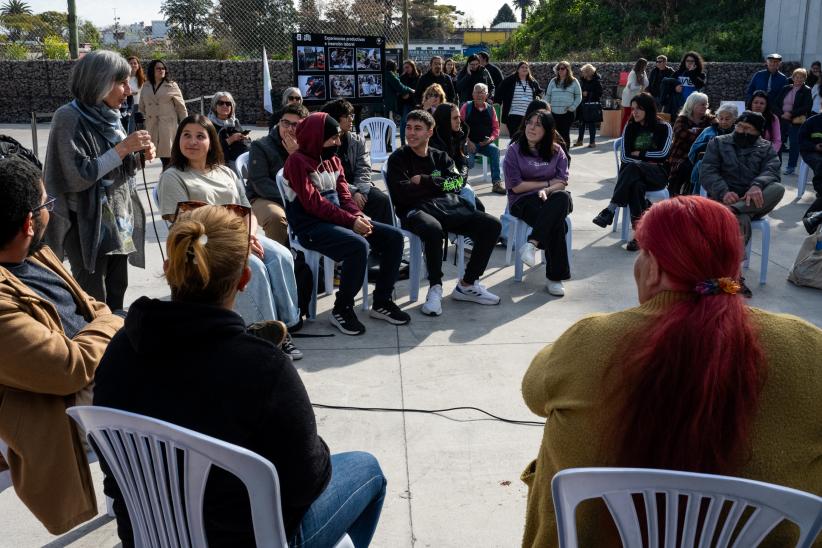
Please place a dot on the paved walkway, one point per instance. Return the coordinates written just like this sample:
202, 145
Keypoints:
454, 481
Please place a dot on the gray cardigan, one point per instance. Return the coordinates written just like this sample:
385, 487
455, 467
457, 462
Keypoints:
357, 163
78, 159
727, 167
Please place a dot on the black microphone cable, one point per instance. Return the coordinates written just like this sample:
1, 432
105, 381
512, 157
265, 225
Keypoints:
139, 121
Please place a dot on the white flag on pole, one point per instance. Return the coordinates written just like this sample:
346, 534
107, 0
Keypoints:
266, 85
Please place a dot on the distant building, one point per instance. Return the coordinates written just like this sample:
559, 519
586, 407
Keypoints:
134, 33
793, 28
422, 52
495, 36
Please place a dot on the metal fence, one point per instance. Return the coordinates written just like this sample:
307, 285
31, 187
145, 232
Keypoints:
207, 29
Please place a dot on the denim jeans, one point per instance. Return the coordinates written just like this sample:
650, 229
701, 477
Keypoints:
351, 504
790, 135
272, 292
344, 245
492, 152
468, 193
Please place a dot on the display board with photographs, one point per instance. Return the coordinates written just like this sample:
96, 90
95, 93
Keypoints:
339, 66
394, 54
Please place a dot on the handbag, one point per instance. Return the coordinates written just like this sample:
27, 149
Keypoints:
591, 112
807, 270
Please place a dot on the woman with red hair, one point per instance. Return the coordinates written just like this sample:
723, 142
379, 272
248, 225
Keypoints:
691, 379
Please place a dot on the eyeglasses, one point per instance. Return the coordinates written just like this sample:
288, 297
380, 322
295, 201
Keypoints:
288, 124
294, 98
660, 60
562, 68
48, 205
690, 61
223, 103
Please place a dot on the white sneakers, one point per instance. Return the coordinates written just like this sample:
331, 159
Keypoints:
474, 293
555, 288
433, 302
528, 254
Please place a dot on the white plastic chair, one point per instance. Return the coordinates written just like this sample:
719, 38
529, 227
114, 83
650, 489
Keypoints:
517, 240
241, 166
802, 178
651, 195
162, 469
312, 259
378, 128
764, 226
415, 266
772, 504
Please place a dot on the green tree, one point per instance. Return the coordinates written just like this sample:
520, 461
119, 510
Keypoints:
428, 20
504, 15
24, 26
89, 34
523, 6
187, 19
15, 7
309, 16
257, 23
55, 21
336, 17
55, 48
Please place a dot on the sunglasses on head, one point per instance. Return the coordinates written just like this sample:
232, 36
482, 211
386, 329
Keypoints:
244, 212
224, 103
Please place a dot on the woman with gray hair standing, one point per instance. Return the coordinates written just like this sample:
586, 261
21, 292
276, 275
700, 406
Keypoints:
233, 139
98, 221
163, 105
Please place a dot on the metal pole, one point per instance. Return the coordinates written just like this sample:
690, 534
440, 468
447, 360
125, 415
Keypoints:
202, 105
73, 38
405, 29
34, 134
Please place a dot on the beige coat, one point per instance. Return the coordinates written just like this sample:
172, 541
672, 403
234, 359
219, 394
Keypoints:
41, 373
164, 110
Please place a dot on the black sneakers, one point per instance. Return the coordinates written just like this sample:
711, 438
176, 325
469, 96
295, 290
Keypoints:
346, 321
605, 218
389, 312
273, 331
290, 349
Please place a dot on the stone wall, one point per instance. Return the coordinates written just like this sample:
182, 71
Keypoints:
42, 86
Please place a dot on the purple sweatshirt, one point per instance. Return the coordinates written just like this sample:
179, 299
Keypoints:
519, 167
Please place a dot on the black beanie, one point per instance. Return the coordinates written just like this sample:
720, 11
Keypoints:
331, 128
753, 118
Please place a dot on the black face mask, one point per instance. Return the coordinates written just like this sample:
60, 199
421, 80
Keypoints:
744, 140
329, 152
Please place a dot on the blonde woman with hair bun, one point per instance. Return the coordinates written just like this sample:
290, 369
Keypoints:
190, 361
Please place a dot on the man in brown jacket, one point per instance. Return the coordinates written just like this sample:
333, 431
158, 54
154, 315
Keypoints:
52, 336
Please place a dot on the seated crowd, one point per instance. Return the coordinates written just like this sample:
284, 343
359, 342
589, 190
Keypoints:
234, 291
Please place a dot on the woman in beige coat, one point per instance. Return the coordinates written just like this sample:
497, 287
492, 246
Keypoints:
163, 105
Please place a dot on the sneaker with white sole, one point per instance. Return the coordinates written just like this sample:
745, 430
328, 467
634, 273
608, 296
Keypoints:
528, 254
475, 293
346, 321
433, 302
555, 288
389, 312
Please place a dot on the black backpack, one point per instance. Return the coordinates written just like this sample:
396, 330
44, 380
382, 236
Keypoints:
10, 147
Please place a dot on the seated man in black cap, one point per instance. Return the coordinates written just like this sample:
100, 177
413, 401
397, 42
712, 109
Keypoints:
741, 170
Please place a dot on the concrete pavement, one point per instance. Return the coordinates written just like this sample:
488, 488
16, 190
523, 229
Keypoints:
454, 481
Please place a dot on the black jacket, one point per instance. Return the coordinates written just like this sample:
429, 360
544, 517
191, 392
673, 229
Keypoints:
802, 103
698, 79
453, 144
404, 163
194, 365
505, 94
656, 77
810, 134
234, 150
466, 83
266, 158
593, 87
413, 83
496, 74
443, 79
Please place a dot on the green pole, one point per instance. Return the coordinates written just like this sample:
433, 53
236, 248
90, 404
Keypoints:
73, 39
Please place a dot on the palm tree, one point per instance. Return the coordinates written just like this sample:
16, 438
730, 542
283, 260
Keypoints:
522, 5
15, 7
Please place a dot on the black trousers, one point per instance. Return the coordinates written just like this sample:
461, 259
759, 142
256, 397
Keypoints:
633, 181
814, 161
592, 131
548, 228
513, 123
564, 122
108, 282
378, 207
480, 227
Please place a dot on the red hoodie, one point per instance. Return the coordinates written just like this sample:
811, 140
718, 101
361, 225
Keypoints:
315, 186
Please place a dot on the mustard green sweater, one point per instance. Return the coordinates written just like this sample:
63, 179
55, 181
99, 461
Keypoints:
565, 384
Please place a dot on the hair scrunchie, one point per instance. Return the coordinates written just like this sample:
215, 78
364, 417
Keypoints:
715, 286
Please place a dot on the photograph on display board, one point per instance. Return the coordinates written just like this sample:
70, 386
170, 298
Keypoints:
340, 58
368, 59
310, 58
312, 86
342, 85
392, 56
370, 85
